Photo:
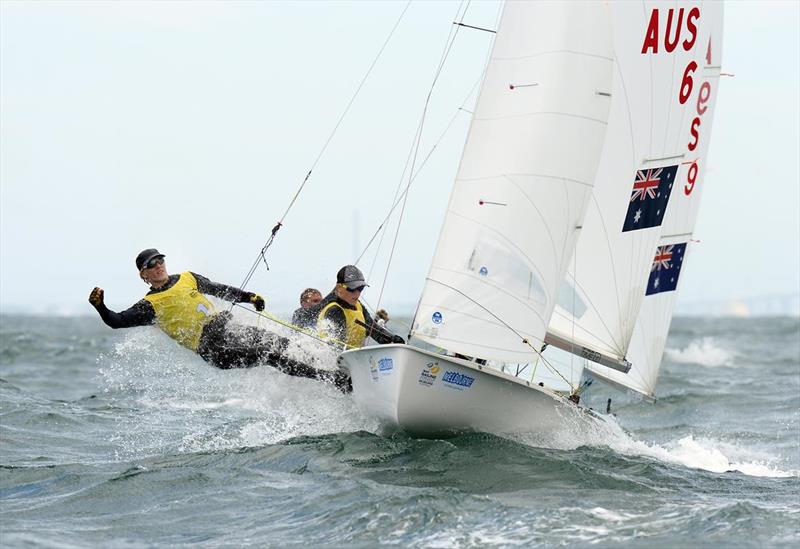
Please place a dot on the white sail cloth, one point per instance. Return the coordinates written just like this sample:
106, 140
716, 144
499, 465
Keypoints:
659, 50
524, 182
652, 324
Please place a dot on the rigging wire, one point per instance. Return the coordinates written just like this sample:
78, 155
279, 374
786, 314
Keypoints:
262, 254
382, 225
445, 54
406, 168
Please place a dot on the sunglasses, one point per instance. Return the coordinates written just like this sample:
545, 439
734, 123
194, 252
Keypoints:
355, 290
153, 262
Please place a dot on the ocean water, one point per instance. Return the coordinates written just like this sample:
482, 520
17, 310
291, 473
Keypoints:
122, 439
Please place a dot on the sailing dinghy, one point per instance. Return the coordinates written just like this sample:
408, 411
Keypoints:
568, 223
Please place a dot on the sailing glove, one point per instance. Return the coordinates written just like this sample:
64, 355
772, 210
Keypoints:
257, 301
96, 297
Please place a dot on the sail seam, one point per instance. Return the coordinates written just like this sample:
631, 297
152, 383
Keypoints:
551, 52
533, 204
530, 114
530, 174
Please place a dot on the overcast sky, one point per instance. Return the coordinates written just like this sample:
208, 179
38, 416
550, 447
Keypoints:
189, 126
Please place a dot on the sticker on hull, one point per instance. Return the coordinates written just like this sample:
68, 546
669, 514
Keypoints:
429, 373
385, 366
458, 381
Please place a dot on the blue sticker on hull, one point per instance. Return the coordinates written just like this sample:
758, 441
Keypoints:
457, 380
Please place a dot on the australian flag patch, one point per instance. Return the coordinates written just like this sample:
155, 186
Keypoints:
649, 197
666, 269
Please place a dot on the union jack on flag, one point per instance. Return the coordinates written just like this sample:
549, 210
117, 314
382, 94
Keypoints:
666, 269
662, 259
646, 184
649, 197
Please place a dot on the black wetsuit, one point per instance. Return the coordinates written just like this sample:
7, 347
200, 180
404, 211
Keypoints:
223, 343
305, 317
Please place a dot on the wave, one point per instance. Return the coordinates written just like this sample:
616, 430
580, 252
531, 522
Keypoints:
704, 352
696, 453
178, 403
703, 453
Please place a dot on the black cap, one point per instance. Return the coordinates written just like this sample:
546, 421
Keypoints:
145, 256
351, 276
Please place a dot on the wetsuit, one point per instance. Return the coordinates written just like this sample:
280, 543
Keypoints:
211, 335
350, 324
305, 317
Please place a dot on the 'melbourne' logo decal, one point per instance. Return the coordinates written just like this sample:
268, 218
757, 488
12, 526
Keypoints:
454, 378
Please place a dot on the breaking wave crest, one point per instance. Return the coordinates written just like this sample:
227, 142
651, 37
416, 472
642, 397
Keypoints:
696, 453
700, 453
704, 352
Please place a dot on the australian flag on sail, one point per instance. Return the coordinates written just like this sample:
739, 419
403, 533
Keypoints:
649, 197
666, 269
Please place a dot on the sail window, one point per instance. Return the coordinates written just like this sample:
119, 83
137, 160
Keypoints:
569, 300
503, 267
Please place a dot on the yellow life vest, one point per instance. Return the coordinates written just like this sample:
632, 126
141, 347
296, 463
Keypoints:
355, 334
182, 311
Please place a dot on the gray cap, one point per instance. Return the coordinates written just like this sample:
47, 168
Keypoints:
351, 276
145, 256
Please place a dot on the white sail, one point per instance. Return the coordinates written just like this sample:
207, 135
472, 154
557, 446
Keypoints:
659, 49
524, 182
652, 325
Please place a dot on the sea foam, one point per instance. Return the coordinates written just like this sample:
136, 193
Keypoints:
704, 352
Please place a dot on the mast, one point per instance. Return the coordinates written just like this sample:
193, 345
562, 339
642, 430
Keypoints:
524, 183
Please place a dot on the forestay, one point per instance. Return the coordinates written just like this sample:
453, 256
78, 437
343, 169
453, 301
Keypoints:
659, 50
524, 182
669, 257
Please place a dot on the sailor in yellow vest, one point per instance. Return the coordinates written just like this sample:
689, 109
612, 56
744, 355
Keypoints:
177, 304
343, 317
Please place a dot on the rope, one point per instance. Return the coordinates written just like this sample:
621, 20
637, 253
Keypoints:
261, 256
329, 341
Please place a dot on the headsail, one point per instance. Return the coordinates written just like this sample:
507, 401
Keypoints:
669, 256
659, 53
524, 182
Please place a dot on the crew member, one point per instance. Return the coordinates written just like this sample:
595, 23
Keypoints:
306, 315
177, 305
344, 318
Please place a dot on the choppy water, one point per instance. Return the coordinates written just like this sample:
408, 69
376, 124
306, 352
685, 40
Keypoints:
121, 439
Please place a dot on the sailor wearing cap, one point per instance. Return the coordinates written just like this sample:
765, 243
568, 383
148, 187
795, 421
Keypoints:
344, 318
177, 304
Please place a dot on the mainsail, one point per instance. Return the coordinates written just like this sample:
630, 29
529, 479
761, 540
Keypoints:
638, 199
669, 256
524, 182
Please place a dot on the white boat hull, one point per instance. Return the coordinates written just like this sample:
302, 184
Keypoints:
428, 394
